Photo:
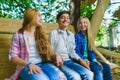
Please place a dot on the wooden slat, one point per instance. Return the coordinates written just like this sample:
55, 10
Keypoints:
4, 58
9, 25
5, 36
109, 53
7, 68
71, 28
12, 25
4, 45
4, 50
6, 65
6, 73
5, 40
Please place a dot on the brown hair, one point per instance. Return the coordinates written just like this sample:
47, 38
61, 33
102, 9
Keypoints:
61, 13
91, 44
29, 19
42, 43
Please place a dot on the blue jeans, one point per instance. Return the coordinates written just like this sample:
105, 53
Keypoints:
99, 73
75, 71
106, 71
49, 72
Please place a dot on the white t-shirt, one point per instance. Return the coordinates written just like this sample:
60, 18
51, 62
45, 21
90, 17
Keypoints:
34, 56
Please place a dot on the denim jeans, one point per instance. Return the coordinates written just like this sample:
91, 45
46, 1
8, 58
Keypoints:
49, 72
75, 71
106, 71
99, 72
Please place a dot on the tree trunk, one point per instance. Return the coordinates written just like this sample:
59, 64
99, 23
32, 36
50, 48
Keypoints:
74, 12
96, 21
98, 16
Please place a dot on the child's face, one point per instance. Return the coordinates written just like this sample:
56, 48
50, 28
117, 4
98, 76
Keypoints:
63, 21
83, 24
38, 19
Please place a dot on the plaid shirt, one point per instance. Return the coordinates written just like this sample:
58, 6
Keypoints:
18, 48
80, 47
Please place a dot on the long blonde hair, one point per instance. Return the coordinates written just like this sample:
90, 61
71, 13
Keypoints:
42, 43
91, 44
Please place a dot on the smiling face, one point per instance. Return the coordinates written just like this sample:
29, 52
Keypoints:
63, 21
38, 18
82, 25
32, 17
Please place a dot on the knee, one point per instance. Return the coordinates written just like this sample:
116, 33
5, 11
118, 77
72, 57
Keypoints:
97, 68
90, 75
37, 77
75, 77
106, 66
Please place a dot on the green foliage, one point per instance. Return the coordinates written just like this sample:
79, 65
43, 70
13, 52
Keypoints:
113, 23
87, 11
118, 51
48, 8
15, 8
101, 32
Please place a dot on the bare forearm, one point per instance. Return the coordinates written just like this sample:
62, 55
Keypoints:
19, 61
82, 62
59, 60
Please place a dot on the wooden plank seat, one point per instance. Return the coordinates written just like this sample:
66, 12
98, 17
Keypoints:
7, 28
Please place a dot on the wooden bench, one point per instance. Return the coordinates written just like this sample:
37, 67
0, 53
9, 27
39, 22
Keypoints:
7, 28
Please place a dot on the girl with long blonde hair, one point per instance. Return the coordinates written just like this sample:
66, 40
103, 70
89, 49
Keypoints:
85, 48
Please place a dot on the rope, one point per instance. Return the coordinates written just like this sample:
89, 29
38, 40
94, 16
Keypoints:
102, 6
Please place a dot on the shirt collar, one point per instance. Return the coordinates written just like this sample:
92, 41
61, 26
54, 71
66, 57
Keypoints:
61, 31
80, 33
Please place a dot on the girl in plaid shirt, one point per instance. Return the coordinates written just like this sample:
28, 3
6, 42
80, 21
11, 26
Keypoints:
32, 53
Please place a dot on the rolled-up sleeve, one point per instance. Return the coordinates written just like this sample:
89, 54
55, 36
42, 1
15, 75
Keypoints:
77, 47
14, 46
72, 48
52, 39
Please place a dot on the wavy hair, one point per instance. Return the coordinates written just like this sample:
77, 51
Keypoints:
42, 43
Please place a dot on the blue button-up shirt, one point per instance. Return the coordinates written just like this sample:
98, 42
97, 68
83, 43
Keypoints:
80, 47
